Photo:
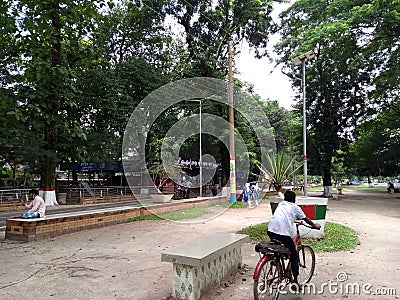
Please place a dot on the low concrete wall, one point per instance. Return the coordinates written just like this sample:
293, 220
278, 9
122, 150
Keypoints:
11, 206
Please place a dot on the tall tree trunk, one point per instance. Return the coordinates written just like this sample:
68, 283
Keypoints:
52, 104
327, 181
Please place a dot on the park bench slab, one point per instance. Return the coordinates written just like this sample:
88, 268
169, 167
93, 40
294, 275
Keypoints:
202, 263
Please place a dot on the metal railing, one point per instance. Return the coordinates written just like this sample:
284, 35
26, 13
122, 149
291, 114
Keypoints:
85, 191
8, 195
13, 195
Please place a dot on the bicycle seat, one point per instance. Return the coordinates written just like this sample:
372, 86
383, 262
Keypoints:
272, 248
277, 242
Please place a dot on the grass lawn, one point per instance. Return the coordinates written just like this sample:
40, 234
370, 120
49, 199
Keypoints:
336, 236
189, 213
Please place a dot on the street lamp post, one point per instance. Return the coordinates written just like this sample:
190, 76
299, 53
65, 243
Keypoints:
297, 61
201, 153
200, 143
232, 162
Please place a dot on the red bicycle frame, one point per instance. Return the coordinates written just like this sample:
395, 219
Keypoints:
257, 269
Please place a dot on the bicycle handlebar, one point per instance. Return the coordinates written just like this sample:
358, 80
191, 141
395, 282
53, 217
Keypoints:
298, 223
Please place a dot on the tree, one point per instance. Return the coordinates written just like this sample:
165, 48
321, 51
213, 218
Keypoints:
135, 29
106, 98
17, 145
71, 76
339, 83
209, 28
282, 122
50, 41
379, 22
375, 152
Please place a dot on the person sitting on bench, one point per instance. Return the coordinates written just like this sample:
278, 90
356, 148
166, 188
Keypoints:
37, 207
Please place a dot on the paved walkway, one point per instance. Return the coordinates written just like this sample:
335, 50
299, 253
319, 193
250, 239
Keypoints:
123, 261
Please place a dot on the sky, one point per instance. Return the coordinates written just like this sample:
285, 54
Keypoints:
269, 82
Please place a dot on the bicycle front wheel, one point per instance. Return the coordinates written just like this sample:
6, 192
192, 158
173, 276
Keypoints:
266, 287
306, 263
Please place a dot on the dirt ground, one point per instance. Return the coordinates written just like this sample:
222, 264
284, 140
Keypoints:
123, 261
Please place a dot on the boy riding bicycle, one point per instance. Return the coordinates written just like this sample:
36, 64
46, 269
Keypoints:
280, 228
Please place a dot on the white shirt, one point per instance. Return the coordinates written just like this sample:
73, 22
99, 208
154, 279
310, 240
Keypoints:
37, 205
187, 184
283, 218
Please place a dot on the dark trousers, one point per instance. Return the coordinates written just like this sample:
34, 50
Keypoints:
288, 242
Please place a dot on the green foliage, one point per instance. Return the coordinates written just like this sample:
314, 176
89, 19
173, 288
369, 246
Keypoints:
105, 102
364, 187
143, 218
134, 29
50, 42
236, 205
71, 74
5, 174
257, 233
208, 30
340, 84
339, 166
337, 237
85, 65
280, 168
71, 100
286, 125
375, 152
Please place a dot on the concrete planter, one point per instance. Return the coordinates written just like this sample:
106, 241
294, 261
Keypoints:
314, 208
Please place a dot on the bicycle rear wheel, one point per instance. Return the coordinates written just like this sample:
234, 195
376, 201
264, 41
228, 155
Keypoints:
267, 285
306, 263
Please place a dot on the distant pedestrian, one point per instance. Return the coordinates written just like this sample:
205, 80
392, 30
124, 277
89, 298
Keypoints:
246, 194
37, 207
186, 185
390, 187
254, 192
214, 190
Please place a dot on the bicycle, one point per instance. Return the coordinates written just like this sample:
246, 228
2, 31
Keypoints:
273, 270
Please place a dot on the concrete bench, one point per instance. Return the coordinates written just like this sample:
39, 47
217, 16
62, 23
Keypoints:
202, 263
65, 223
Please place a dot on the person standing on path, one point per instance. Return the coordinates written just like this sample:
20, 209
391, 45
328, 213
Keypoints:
246, 194
254, 192
37, 207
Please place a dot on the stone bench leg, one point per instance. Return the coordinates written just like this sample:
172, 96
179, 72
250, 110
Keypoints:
190, 282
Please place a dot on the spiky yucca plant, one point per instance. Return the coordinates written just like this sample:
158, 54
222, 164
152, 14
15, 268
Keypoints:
281, 167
